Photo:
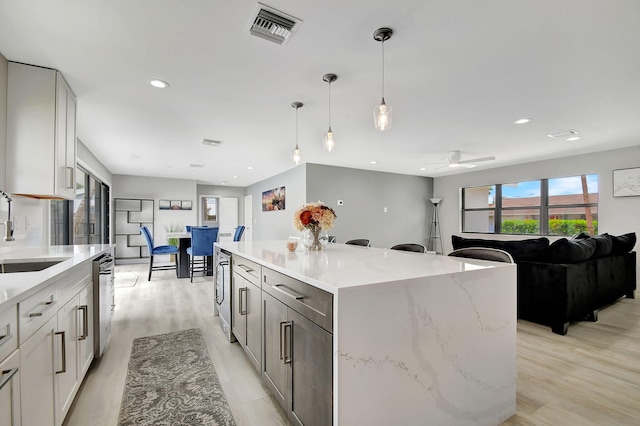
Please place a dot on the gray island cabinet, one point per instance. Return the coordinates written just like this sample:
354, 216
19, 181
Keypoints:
356, 335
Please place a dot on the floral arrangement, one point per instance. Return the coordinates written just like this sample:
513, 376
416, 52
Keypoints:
314, 215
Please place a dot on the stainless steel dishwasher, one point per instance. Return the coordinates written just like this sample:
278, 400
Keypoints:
103, 302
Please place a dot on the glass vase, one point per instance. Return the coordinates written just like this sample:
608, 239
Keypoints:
314, 239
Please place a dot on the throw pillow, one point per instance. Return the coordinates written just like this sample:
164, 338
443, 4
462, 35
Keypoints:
604, 244
571, 251
623, 243
530, 249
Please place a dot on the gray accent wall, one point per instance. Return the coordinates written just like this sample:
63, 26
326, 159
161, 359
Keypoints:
615, 215
366, 194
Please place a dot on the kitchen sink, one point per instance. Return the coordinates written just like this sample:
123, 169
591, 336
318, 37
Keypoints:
27, 265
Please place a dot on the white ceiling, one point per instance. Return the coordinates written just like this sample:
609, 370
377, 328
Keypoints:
458, 73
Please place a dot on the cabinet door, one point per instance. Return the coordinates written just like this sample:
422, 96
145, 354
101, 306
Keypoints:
36, 376
238, 312
85, 331
66, 358
312, 374
254, 325
275, 371
10, 390
65, 141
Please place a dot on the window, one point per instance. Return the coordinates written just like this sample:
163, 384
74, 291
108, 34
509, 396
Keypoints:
558, 206
84, 220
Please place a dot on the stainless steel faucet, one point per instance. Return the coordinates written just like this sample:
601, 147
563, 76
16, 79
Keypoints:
8, 225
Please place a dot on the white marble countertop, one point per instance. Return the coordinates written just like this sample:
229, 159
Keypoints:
342, 266
19, 285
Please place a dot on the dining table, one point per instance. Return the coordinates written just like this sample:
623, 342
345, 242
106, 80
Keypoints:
182, 260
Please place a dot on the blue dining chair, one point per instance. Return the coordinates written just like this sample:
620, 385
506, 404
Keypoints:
239, 232
202, 240
154, 251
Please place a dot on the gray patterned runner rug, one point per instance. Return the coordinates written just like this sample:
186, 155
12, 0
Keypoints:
171, 381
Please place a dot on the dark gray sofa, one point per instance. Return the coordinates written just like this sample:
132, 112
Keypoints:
568, 280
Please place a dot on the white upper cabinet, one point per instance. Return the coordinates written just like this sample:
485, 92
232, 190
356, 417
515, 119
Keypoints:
41, 133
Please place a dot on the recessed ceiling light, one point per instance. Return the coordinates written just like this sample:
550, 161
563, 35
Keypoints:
522, 121
224, 182
374, 162
573, 138
160, 84
250, 167
423, 169
235, 176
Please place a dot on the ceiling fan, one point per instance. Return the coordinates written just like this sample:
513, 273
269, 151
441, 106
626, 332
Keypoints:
454, 160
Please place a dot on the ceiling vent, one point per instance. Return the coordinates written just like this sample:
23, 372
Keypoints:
196, 165
211, 142
564, 135
272, 25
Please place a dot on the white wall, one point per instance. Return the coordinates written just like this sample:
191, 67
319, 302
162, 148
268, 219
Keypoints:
160, 189
615, 215
278, 225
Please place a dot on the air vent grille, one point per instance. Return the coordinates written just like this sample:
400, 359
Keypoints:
272, 25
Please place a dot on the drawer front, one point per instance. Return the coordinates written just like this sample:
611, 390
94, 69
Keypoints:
8, 331
36, 310
247, 269
310, 301
72, 281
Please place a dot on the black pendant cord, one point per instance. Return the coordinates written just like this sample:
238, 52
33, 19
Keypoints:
382, 69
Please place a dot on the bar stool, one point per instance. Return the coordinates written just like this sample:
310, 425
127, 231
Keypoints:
153, 251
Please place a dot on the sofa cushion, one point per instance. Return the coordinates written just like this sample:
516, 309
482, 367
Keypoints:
571, 251
623, 243
530, 249
604, 244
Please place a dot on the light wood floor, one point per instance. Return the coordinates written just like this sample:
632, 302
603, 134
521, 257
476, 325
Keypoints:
591, 376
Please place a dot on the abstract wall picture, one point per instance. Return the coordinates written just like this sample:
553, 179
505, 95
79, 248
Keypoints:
273, 200
175, 205
626, 182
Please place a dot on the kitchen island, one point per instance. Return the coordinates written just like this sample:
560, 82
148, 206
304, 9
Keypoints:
417, 339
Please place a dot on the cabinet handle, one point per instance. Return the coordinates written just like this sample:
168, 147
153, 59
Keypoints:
64, 352
245, 268
242, 306
85, 322
286, 342
8, 376
292, 294
48, 305
70, 176
4, 339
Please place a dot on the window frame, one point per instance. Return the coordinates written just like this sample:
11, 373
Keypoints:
544, 207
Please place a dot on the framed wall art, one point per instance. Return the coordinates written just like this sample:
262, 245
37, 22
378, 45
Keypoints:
175, 205
626, 182
273, 199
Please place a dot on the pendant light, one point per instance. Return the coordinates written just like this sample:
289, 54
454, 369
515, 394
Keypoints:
382, 113
329, 138
296, 154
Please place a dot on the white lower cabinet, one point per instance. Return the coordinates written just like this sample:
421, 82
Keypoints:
10, 390
55, 358
66, 358
37, 376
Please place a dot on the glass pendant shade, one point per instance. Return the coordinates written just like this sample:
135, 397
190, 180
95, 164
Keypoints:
382, 116
329, 141
296, 155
